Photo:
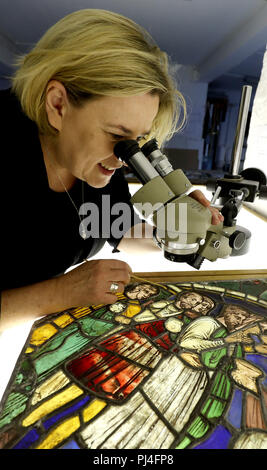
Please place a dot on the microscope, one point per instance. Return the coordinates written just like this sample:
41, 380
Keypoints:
182, 226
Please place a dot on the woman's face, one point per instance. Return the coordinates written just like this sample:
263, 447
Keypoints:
88, 134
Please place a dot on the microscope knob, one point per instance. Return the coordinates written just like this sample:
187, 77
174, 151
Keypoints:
237, 240
263, 192
254, 174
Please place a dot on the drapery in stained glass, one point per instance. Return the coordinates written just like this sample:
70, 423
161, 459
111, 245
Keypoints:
177, 365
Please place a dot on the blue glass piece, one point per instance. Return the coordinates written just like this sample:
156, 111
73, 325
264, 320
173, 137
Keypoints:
255, 338
219, 439
234, 414
70, 445
27, 440
258, 360
72, 409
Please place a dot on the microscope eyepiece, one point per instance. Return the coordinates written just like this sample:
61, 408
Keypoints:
125, 149
130, 152
149, 147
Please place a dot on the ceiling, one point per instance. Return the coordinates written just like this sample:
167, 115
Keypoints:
223, 41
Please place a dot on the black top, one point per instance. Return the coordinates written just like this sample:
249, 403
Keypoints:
40, 227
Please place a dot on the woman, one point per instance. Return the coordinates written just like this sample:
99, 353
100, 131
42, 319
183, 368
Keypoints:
93, 79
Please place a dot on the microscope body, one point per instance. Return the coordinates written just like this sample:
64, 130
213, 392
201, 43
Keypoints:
183, 228
182, 225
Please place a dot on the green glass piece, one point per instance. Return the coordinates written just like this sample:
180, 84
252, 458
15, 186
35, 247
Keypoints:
108, 316
164, 294
26, 367
212, 358
254, 288
49, 361
186, 320
198, 428
213, 408
239, 351
54, 343
184, 443
98, 313
263, 296
220, 333
221, 387
14, 406
19, 379
231, 285
93, 327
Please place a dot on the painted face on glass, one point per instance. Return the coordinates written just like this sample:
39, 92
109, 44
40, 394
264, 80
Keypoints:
189, 300
141, 292
204, 307
235, 316
87, 134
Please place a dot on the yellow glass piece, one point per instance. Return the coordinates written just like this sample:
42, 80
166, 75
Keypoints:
192, 359
29, 350
93, 409
251, 297
121, 296
51, 385
248, 349
58, 435
132, 310
261, 348
123, 320
246, 374
63, 320
42, 334
145, 316
214, 288
81, 312
57, 401
235, 294
175, 288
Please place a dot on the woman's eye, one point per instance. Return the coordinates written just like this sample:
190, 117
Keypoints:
116, 136
120, 137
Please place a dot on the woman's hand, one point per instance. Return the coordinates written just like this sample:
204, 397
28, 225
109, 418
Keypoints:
217, 217
89, 283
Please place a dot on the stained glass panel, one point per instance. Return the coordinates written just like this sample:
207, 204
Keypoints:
168, 366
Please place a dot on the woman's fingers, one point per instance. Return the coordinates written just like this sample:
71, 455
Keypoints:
90, 283
217, 217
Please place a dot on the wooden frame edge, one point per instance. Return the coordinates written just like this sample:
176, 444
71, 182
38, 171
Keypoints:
168, 276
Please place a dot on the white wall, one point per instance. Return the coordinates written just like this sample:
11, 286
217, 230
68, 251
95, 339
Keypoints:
256, 154
257, 139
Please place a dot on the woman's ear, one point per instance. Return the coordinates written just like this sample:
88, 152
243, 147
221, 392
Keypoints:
56, 103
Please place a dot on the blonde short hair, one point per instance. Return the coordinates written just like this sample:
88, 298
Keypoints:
98, 53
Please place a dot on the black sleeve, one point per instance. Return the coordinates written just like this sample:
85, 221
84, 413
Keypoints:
122, 216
